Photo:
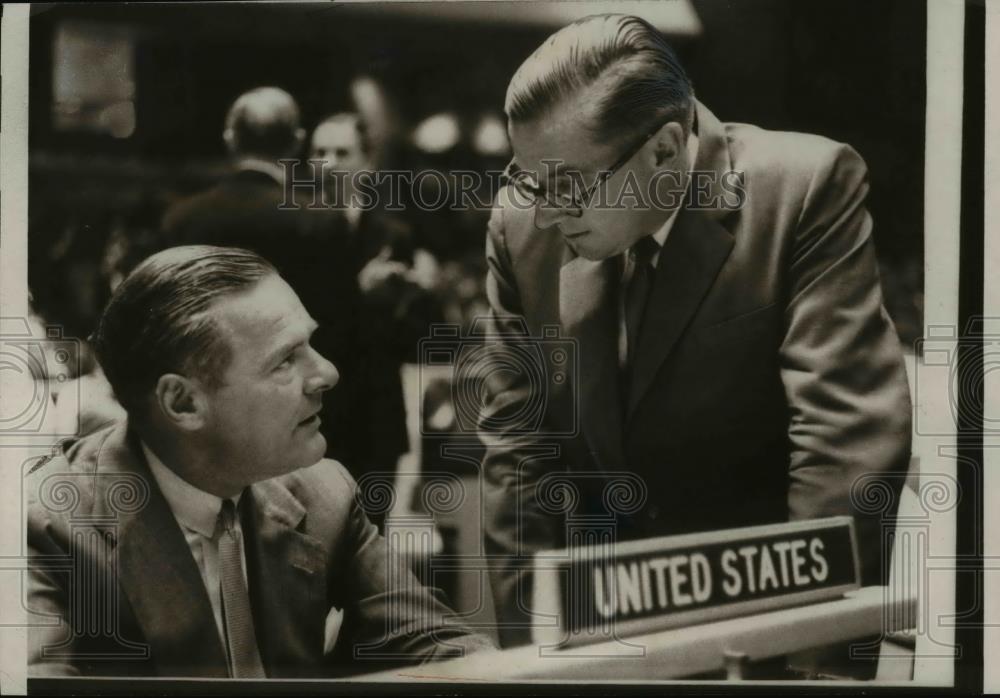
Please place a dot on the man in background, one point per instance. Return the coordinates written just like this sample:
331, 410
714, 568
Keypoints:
394, 272
394, 276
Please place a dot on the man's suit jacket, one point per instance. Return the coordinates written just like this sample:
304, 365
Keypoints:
394, 317
310, 250
102, 536
768, 382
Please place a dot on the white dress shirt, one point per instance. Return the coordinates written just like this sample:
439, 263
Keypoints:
197, 513
628, 260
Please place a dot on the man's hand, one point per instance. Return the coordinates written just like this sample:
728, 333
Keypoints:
380, 271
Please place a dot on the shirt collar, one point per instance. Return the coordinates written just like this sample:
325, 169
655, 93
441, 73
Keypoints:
193, 508
660, 236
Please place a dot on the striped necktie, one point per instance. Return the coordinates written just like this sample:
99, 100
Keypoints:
244, 656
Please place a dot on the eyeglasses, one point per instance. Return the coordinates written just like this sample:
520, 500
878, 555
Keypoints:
573, 202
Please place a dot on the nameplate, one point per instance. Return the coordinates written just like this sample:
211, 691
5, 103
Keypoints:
610, 590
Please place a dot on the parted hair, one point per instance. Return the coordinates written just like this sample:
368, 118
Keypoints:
159, 319
645, 81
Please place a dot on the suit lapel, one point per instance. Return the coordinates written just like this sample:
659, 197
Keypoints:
689, 262
158, 575
696, 249
163, 586
588, 313
288, 587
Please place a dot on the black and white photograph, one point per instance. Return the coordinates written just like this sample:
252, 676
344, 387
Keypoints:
452, 344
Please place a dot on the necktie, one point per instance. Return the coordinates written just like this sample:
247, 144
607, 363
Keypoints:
637, 289
244, 657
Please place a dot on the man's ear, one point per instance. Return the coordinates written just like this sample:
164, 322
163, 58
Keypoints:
300, 139
669, 143
230, 138
181, 401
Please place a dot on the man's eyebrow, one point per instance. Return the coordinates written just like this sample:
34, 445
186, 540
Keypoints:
286, 347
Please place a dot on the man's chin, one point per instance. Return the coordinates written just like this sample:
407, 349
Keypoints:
317, 449
311, 453
591, 254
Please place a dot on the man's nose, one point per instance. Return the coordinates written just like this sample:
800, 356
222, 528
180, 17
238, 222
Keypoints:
325, 375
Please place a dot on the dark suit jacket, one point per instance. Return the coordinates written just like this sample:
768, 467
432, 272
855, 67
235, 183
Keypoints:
309, 247
394, 317
101, 536
768, 380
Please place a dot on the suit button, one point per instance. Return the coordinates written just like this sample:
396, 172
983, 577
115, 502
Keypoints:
652, 512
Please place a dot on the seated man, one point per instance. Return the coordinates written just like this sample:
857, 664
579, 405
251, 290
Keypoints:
206, 535
247, 208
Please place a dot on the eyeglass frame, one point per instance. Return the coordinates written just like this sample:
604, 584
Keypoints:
603, 176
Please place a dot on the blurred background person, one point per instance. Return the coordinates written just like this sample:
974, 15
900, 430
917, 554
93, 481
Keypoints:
395, 280
261, 128
392, 270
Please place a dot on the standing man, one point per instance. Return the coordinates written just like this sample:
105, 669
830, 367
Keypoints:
396, 305
208, 536
720, 284
393, 271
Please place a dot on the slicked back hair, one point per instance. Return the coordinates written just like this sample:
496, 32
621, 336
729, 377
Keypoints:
646, 82
159, 320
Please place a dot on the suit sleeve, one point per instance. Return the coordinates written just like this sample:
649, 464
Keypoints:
842, 367
47, 607
391, 618
515, 526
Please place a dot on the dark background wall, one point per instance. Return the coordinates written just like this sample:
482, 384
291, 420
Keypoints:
850, 70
